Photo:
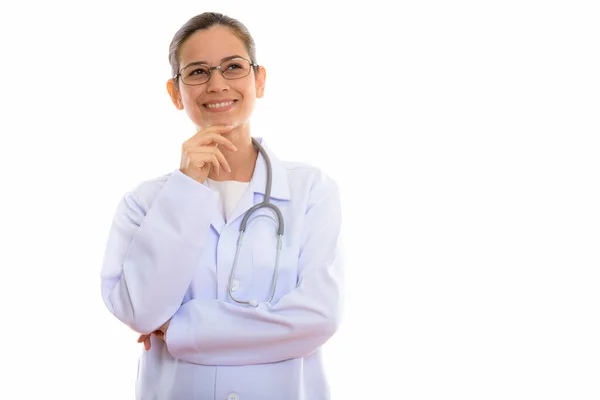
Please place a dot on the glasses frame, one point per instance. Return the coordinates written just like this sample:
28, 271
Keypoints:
216, 67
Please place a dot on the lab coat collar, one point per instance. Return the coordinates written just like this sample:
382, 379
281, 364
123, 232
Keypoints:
280, 187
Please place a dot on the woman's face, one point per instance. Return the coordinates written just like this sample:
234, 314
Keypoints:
219, 101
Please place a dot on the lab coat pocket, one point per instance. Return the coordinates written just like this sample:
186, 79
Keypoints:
264, 256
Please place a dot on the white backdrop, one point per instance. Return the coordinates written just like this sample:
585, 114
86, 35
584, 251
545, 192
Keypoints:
463, 135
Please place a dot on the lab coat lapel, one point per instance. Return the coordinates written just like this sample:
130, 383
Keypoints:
218, 220
245, 203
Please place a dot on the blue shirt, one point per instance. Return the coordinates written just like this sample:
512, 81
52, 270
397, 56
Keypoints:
169, 255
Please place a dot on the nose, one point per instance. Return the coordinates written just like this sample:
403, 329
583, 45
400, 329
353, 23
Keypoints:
216, 83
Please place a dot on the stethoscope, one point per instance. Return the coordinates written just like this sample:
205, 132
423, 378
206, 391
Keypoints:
265, 203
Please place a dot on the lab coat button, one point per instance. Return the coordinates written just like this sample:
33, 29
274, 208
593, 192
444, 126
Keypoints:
234, 286
233, 396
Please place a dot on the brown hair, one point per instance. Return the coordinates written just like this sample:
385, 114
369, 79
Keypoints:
205, 21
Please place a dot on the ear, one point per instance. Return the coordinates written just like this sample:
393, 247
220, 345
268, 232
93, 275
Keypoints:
174, 93
261, 77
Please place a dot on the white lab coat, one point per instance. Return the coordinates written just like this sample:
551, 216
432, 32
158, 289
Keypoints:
169, 255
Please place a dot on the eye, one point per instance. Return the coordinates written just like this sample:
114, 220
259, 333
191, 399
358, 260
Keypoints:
198, 71
234, 66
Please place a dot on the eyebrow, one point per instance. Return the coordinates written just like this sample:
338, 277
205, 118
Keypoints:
206, 62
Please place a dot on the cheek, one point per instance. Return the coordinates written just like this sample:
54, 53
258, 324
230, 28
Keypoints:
190, 103
250, 96
188, 98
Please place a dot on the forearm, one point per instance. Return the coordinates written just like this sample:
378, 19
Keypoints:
213, 332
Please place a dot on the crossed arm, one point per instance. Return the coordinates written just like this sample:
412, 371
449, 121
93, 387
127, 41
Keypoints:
146, 246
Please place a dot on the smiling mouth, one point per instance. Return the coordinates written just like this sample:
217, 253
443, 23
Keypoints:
219, 105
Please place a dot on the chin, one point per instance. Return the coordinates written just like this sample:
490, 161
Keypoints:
234, 120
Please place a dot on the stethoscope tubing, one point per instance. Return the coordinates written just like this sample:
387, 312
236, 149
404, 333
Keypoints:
266, 203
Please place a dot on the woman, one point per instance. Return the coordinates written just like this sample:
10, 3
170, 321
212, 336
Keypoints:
220, 321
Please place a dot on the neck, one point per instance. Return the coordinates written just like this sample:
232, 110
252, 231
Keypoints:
241, 162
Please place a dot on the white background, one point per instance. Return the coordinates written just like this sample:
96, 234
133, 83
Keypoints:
463, 135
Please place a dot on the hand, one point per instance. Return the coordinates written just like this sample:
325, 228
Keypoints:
161, 333
146, 340
200, 153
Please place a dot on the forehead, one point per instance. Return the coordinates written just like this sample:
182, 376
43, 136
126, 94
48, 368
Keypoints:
211, 45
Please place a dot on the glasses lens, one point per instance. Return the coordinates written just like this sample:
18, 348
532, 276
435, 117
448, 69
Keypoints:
195, 74
236, 68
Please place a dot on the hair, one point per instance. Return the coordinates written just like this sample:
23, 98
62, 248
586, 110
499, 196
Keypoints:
204, 21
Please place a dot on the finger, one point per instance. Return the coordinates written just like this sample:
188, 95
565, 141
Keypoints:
147, 343
222, 160
215, 163
217, 129
213, 139
200, 160
210, 141
142, 338
203, 155
216, 152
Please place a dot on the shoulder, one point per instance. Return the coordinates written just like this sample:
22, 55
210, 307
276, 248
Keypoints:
304, 172
144, 193
313, 181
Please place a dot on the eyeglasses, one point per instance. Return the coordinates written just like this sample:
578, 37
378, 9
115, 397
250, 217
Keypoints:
198, 73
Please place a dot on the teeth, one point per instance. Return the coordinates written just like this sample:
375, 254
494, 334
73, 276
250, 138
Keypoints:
217, 105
